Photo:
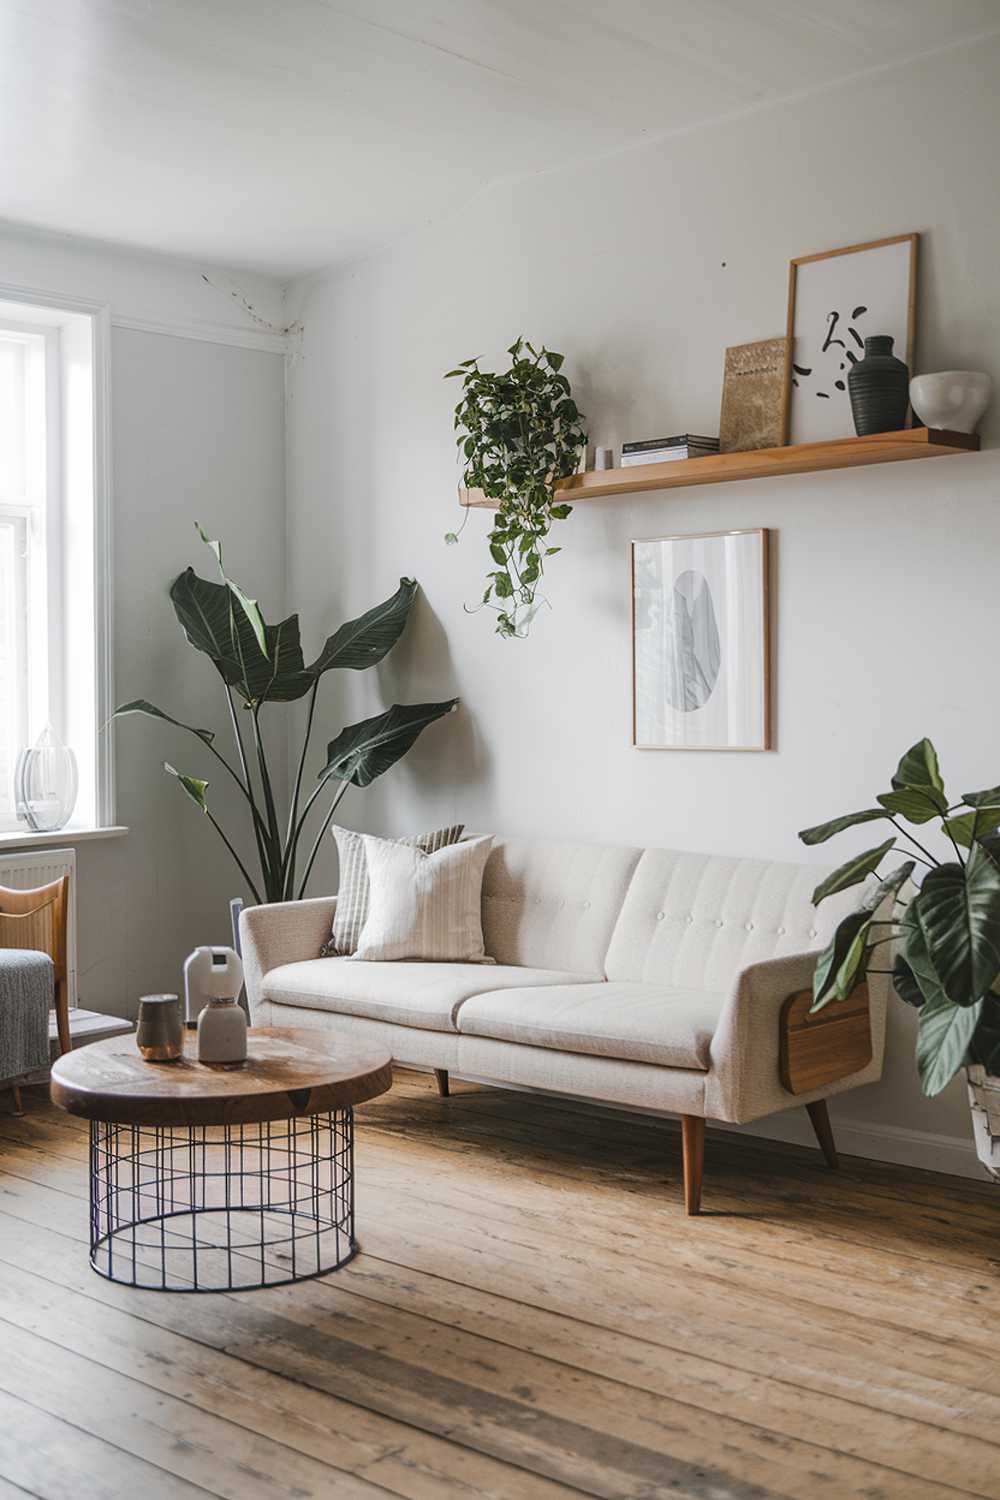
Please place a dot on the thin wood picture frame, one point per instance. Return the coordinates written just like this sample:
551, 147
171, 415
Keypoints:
904, 351
763, 613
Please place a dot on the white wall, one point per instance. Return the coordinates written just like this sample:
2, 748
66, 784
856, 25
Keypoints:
643, 268
197, 434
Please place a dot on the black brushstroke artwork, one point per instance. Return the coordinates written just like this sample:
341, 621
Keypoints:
832, 341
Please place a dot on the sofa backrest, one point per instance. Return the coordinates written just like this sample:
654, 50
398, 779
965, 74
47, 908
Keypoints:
554, 905
696, 920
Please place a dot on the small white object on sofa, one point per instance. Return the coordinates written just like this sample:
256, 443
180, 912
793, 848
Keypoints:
650, 978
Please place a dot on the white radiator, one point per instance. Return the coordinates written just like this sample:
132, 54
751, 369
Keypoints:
41, 867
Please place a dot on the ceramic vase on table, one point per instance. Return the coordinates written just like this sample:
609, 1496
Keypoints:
953, 399
879, 388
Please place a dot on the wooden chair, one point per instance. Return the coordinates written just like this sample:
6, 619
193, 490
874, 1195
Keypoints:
36, 920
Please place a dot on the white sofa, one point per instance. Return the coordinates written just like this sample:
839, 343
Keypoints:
642, 977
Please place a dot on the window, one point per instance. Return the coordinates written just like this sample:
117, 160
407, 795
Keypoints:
54, 609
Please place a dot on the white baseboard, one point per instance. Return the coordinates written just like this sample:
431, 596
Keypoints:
895, 1144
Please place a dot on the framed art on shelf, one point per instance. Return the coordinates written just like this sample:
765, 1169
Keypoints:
836, 300
700, 642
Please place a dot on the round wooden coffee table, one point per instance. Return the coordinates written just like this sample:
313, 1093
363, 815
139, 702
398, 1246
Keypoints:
221, 1179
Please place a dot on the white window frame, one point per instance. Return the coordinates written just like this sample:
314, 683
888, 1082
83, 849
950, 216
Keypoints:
78, 478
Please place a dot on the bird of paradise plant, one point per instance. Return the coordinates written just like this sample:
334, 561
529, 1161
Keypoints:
262, 665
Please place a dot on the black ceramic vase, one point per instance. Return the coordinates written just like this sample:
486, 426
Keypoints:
879, 387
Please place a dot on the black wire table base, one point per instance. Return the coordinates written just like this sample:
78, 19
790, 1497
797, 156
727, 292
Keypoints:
223, 1208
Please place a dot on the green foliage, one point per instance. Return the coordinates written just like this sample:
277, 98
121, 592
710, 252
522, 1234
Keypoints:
518, 431
946, 961
263, 664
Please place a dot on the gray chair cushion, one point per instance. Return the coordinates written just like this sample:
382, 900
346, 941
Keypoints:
27, 994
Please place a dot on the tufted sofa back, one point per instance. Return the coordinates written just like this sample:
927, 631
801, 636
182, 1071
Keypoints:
554, 905
696, 920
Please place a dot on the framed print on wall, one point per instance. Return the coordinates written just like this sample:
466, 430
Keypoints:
700, 648
835, 301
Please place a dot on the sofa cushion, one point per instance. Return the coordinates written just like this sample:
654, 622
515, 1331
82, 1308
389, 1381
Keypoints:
409, 994
695, 920
648, 1023
554, 905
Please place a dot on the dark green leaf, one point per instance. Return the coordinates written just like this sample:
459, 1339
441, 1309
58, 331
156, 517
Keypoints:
943, 1036
560, 512
249, 606
985, 1046
367, 750
919, 768
141, 706
824, 831
918, 958
193, 785
365, 641
905, 984
839, 966
959, 913
852, 872
915, 804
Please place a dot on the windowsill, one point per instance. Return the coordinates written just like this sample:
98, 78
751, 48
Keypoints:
13, 838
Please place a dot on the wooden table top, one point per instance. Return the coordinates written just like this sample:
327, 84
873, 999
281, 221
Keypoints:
287, 1073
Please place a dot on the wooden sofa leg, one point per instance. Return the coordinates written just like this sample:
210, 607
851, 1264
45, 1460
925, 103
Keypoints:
693, 1145
18, 1105
441, 1074
820, 1116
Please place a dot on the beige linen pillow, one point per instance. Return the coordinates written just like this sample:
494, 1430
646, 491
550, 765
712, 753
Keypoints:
352, 896
425, 906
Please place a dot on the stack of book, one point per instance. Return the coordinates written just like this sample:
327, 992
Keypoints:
662, 450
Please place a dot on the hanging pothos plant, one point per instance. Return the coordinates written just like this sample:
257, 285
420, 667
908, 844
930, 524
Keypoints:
518, 431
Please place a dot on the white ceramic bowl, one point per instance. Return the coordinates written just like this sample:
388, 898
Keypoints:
955, 399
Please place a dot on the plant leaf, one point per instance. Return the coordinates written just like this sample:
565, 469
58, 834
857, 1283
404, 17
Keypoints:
959, 913
248, 605
919, 768
989, 798
224, 633
141, 706
193, 785
836, 972
905, 984
367, 750
943, 1037
852, 872
967, 827
824, 831
891, 885
365, 641
918, 958
915, 804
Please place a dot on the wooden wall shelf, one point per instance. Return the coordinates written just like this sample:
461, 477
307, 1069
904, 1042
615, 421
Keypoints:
765, 463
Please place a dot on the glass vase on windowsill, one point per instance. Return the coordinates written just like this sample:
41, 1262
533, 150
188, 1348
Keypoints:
45, 783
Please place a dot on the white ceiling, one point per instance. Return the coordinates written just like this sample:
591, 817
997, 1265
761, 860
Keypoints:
284, 135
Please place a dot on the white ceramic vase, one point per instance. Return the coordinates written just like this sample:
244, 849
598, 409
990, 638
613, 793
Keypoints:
954, 399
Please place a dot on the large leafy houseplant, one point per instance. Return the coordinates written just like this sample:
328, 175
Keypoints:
940, 918
261, 665
519, 431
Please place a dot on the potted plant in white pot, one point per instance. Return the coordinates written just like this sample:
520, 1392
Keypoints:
519, 432
262, 666
938, 922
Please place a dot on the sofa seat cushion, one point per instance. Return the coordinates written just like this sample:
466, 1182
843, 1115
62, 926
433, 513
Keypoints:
649, 1023
410, 994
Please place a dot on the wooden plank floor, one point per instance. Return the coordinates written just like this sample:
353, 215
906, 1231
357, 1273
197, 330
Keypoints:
531, 1316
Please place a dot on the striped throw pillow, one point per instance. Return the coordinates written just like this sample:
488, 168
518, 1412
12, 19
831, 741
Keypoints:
352, 897
425, 906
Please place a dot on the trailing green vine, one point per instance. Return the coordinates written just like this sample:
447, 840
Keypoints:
518, 431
